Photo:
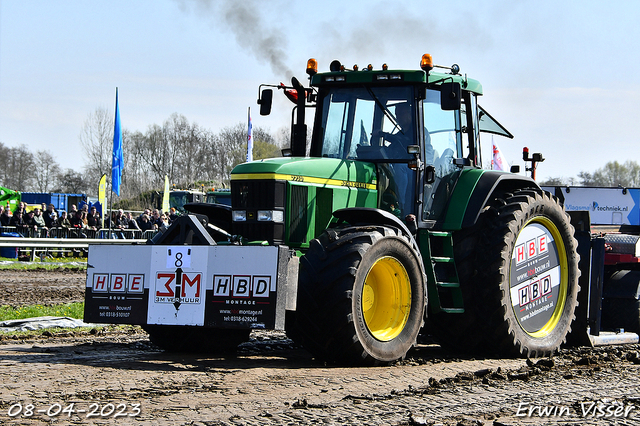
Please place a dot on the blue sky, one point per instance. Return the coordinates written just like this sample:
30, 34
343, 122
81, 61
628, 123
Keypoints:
561, 76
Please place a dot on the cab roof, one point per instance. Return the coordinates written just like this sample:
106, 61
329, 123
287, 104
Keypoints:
389, 77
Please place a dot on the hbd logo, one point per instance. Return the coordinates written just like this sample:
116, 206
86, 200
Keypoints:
118, 283
178, 286
534, 290
531, 249
241, 286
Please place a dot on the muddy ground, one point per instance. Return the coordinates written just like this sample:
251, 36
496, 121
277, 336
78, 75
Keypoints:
32, 287
115, 375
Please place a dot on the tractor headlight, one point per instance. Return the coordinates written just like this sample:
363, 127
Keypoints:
270, 216
239, 216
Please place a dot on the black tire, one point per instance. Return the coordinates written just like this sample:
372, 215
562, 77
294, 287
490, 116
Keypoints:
621, 314
621, 310
190, 339
361, 296
515, 305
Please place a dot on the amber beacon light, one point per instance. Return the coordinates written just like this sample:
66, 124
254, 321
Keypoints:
427, 62
312, 67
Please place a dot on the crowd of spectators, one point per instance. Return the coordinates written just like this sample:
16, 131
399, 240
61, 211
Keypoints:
41, 219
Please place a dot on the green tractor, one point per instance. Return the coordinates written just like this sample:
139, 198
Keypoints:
386, 226
398, 222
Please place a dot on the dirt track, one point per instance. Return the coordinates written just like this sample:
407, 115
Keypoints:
270, 381
19, 288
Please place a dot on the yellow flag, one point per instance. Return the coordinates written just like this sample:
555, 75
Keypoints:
102, 197
165, 197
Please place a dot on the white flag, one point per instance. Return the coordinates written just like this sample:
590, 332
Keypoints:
498, 162
250, 139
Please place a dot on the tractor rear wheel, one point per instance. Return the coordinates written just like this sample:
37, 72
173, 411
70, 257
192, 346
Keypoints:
521, 294
361, 296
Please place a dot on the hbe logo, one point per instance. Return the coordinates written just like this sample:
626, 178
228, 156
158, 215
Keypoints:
118, 283
530, 249
241, 286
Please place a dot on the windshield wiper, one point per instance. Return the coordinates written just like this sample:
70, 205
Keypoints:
384, 109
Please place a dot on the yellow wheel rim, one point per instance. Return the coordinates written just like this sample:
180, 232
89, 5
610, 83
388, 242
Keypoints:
386, 298
553, 321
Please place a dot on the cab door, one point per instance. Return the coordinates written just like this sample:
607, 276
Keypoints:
442, 143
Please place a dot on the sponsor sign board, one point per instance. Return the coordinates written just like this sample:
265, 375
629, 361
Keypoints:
606, 206
219, 286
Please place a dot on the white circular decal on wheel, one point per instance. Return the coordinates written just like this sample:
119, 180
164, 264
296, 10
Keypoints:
534, 277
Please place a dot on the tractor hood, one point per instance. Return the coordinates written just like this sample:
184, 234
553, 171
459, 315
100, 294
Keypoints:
321, 171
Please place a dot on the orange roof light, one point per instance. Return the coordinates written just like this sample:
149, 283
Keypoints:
385, 67
312, 66
427, 62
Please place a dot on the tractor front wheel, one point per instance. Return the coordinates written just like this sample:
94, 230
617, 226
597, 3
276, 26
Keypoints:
361, 296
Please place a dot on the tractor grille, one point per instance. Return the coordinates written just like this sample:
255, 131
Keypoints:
298, 213
254, 195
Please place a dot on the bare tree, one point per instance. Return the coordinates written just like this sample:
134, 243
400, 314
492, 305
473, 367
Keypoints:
4, 158
231, 148
97, 142
18, 165
283, 137
73, 182
136, 176
184, 151
189, 147
47, 171
155, 153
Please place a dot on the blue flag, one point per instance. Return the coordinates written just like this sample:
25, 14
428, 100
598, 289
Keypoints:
118, 161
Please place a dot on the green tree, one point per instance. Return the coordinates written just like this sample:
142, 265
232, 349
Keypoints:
263, 149
557, 181
264, 145
614, 174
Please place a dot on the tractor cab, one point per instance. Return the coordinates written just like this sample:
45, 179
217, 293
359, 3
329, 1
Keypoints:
419, 127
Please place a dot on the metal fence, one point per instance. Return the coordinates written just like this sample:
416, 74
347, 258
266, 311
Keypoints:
28, 232
64, 241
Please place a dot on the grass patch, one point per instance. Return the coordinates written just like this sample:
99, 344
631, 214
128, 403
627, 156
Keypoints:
71, 263
94, 330
71, 310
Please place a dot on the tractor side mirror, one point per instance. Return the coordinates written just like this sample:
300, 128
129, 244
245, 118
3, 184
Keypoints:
515, 168
265, 101
450, 96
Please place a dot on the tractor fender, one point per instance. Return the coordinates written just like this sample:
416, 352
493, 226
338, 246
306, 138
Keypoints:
217, 214
373, 216
487, 185
368, 215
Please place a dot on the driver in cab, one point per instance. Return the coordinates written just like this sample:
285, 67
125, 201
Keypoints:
403, 135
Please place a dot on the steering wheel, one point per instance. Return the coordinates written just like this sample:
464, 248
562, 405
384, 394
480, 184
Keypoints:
397, 144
